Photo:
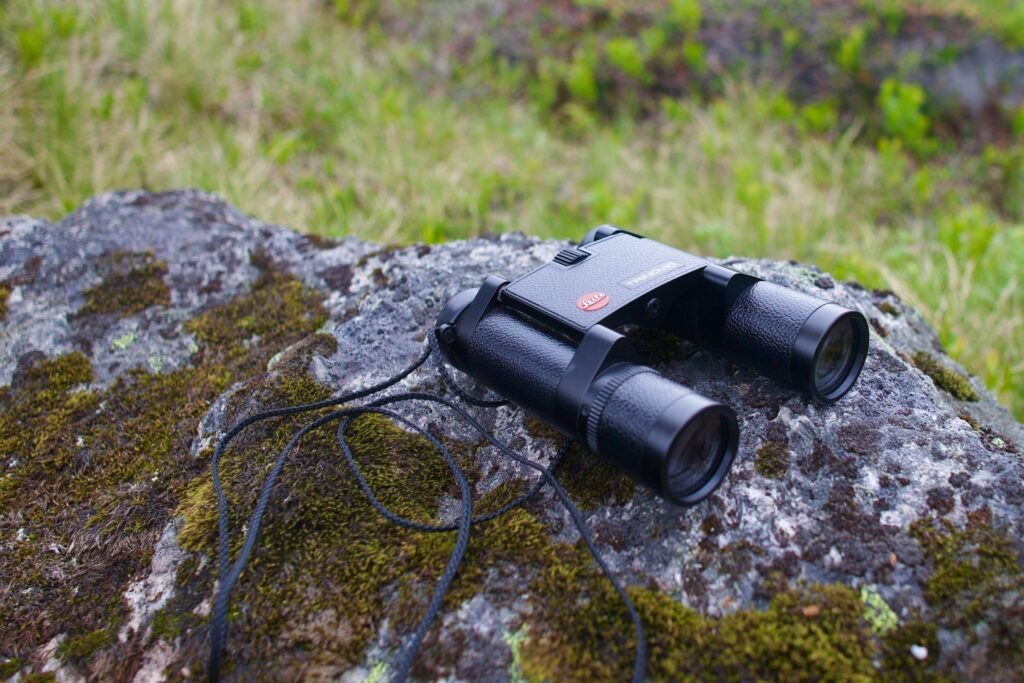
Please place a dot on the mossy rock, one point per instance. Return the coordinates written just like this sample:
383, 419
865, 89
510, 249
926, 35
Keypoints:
824, 556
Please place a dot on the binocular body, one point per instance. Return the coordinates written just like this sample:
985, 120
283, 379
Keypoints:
548, 342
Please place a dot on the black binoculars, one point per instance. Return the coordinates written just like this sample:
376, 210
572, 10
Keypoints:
548, 342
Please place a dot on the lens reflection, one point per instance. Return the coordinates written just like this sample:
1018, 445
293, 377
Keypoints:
836, 357
696, 455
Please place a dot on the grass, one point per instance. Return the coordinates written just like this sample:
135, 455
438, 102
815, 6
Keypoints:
333, 129
1002, 18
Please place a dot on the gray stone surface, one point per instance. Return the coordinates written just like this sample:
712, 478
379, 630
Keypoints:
854, 476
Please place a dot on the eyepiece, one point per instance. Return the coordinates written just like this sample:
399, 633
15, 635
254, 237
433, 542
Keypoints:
829, 352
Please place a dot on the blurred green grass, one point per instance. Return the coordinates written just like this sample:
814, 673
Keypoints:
305, 121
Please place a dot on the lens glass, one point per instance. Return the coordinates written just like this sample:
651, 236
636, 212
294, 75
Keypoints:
697, 454
836, 357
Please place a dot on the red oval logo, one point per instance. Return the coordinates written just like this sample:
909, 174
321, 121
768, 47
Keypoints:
592, 301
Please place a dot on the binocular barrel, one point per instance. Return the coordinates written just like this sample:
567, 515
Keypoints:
547, 342
798, 340
660, 433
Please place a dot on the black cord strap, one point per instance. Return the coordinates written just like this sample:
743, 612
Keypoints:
230, 572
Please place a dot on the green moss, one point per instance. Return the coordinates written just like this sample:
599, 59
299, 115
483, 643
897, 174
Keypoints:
35, 413
168, 624
98, 474
889, 309
772, 459
186, 570
323, 545
273, 311
969, 419
588, 479
319, 551
969, 565
973, 571
80, 647
134, 283
380, 279
898, 659
592, 482
948, 380
581, 632
737, 558
47, 384
711, 525
9, 667
541, 430
39, 677
5, 294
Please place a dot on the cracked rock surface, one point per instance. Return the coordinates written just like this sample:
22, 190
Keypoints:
882, 533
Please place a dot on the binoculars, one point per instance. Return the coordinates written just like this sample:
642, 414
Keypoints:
548, 342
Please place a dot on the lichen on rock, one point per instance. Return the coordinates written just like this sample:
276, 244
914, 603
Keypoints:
876, 539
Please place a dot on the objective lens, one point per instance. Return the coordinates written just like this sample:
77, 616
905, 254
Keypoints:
698, 453
661, 434
836, 357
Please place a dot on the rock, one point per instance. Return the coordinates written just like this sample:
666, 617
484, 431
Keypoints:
882, 540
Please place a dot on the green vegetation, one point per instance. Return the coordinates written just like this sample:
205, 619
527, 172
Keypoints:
5, 293
40, 677
877, 611
329, 119
135, 282
902, 116
9, 667
945, 378
898, 660
810, 632
591, 482
1002, 18
977, 577
82, 646
318, 552
772, 459
93, 476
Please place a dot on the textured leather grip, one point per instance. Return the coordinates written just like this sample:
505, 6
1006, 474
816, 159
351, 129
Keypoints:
632, 399
762, 325
518, 360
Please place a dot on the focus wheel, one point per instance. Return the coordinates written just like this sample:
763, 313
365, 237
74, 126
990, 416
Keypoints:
605, 394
